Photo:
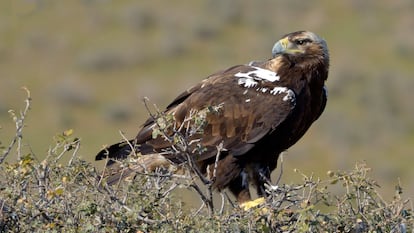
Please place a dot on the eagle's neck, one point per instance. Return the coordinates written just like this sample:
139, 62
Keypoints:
296, 73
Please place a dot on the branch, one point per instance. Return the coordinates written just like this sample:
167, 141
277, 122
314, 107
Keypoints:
19, 121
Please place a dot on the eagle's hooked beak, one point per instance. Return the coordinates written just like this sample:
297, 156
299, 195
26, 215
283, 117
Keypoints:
284, 46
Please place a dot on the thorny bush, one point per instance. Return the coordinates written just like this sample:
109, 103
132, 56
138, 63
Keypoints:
62, 192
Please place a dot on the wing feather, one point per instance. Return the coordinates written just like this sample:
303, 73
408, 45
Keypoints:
246, 114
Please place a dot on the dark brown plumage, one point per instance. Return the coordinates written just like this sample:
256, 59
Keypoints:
263, 109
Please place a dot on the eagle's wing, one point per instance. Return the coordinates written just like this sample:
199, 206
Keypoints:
249, 103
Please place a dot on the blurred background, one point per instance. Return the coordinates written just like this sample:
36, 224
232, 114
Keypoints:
89, 63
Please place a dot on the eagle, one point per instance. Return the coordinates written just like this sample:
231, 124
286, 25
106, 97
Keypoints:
254, 111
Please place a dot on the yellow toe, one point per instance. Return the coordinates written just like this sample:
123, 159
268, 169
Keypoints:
250, 204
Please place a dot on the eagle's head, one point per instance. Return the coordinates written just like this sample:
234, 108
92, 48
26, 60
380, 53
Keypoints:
300, 45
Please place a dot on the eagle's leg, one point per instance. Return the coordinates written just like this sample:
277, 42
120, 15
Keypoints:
240, 187
261, 176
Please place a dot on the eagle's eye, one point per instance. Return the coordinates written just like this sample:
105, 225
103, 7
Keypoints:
302, 41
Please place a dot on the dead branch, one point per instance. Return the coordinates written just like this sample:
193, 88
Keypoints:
19, 122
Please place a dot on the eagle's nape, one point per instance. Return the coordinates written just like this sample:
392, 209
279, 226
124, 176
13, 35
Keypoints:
266, 107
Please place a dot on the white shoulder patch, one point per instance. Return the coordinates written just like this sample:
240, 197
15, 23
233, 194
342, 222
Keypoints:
259, 74
253, 78
247, 82
290, 95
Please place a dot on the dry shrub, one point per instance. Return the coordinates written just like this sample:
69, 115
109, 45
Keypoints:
64, 193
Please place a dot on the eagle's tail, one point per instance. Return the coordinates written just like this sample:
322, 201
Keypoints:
118, 151
116, 171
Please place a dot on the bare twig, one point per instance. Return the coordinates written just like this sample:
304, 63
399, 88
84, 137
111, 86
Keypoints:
75, 151
203, 197
229, 200
222, 203
219, 150
199, 209
19, 121
168, 191
133, 150
281, 168
155, 117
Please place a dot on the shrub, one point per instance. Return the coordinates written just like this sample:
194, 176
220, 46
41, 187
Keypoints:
50, 195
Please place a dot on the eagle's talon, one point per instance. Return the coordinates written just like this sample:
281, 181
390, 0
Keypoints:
250, 204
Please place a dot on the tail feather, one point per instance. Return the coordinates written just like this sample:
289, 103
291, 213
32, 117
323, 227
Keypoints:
115, 170
117, 151
143, 164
